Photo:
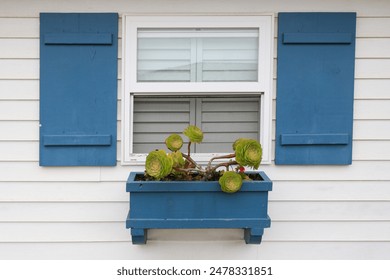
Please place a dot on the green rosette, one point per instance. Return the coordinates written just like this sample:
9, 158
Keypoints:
230, 182
194, 133
248, 152
158, 164
177, 159
174, 142
238, 141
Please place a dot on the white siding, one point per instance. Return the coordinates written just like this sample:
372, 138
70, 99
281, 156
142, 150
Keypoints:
318, 212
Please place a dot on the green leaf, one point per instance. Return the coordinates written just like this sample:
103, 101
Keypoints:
230, 182
248, 152
174, 142
194, 133
158, 164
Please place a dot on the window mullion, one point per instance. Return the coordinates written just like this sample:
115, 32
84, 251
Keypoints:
199, 60
198, 115
193, 60
193, 117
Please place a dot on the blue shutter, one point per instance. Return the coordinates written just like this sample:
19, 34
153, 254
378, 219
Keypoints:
315, 86
78, 89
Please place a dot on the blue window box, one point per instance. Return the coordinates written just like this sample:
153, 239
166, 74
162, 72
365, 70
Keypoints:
170, 205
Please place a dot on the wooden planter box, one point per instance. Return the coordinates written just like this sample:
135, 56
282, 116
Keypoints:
158, 205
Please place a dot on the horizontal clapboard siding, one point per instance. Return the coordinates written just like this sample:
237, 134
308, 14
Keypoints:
79, 213
114, 232
185, 250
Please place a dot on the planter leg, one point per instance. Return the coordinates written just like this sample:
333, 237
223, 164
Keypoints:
138, 235
253, 235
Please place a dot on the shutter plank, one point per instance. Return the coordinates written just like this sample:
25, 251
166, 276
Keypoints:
78, 39
77, 140
318, 38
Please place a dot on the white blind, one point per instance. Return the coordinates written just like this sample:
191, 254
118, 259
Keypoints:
155, 118
197, 55
222, 119
225, 119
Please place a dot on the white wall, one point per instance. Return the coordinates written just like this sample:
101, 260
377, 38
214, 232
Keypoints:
318, 212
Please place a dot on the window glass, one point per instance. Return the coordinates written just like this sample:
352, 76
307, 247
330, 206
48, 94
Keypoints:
197, 55
222, 119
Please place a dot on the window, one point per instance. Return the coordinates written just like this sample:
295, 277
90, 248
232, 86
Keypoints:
211, 71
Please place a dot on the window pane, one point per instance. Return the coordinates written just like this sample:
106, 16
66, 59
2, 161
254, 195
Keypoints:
229, 59
197, 55
222, 119
155, 118
164, 60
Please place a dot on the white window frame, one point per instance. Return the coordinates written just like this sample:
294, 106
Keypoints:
130, 86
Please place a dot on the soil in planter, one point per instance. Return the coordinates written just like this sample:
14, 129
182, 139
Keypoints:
192, 177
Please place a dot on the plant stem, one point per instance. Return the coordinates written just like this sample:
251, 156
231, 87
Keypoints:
189, 149
189, 159
219, 157
188, 170
225, 164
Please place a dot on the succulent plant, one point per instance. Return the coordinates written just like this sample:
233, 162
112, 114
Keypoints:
248, 152
194, 133
158, 164
180, 166
230, 182
174, 142
238, 141
177, 159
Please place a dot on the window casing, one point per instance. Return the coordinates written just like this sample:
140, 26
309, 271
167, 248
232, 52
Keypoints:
217, 59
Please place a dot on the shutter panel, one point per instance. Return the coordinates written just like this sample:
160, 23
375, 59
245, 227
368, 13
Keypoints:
78, 89
315, 87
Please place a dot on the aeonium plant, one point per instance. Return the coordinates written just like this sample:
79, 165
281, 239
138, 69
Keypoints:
229, 170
